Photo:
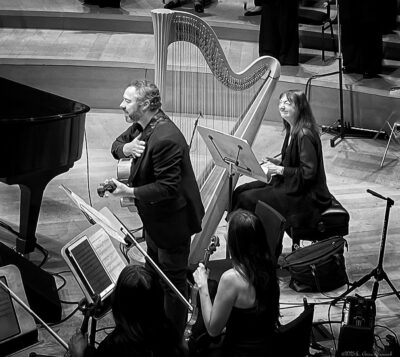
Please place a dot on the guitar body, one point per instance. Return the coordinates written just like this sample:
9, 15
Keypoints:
123, 172
124, 169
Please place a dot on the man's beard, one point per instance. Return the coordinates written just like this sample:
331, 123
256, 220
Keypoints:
132, 118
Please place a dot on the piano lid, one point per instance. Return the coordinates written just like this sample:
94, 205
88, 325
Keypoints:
20, 104
40, 132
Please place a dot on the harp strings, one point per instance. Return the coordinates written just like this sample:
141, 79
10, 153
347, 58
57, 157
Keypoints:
189, 88
198, 97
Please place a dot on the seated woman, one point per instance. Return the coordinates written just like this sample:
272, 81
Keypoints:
298, 188
247, 299
141, 326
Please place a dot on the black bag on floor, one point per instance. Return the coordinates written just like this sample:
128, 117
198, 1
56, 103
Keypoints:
318, 267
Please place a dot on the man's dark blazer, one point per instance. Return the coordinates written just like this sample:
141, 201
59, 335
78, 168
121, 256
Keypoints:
166, 191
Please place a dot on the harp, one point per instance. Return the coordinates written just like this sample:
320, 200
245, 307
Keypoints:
197, 84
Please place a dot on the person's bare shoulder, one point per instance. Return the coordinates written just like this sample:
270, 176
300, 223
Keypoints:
232, 277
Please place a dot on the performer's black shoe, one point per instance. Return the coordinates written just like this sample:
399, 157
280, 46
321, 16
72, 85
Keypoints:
347, 70
254, 11
113, 4
172, 4
198, 6
370, 75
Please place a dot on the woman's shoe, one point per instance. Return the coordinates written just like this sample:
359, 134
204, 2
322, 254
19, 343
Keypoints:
199, 6
254, 11
172, 4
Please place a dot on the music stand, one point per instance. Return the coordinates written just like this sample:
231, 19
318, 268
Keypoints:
233, 154
114, 227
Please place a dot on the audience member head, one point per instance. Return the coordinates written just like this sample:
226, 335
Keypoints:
137, 297
138, 309
304, 117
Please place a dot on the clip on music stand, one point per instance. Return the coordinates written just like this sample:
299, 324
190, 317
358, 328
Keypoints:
234, 154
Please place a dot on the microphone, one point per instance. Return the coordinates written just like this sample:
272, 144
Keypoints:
373, 193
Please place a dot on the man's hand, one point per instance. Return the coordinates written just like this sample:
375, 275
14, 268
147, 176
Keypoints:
121, 190
77, 344
135, 148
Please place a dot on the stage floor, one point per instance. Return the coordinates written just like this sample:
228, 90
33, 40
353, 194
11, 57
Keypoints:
352, 167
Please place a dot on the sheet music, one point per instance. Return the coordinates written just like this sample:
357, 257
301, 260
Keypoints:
107, 254
92, 214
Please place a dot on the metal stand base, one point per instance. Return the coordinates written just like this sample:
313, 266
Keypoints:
347, 131
377, 273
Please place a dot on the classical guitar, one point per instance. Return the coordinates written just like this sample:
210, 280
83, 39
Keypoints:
212, 247
123, 172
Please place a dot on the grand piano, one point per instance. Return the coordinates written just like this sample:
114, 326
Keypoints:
41, 136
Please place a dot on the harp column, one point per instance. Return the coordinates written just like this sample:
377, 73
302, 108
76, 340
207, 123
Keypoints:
162, 19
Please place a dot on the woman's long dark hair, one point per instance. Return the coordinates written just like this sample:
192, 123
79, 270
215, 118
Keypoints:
138, 310
305, 117
247, 244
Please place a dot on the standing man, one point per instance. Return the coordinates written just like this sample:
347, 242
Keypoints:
164, 187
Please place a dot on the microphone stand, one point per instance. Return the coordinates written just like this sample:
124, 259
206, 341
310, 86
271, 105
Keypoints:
378, 273
343, 129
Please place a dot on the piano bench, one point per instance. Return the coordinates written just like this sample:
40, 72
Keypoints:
334, 221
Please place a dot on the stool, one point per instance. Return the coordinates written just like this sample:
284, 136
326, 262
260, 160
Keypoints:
334, 221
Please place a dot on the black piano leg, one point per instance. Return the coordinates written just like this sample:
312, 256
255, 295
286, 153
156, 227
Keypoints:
31, 199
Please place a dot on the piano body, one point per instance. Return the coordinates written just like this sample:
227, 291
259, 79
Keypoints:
41, 136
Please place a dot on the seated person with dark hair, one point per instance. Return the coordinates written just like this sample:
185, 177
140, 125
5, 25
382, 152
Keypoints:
298, 189
247, 299
141, 326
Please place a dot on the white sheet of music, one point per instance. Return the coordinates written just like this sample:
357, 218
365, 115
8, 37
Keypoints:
107, 254
94, 215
